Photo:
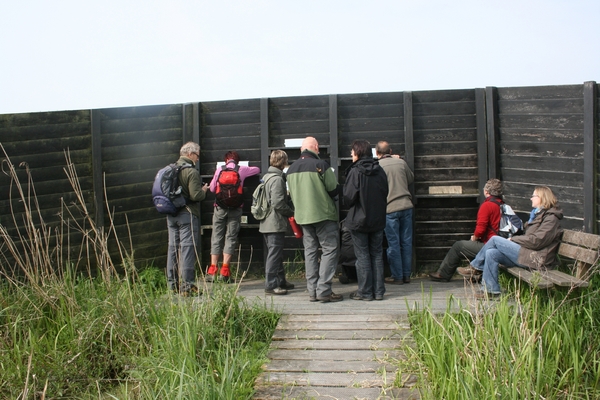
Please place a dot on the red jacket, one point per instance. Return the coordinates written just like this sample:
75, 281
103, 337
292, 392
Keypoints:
488, 219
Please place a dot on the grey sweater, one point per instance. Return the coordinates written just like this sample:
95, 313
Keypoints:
399, 176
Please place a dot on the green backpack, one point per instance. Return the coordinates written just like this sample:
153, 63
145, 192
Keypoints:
260, 203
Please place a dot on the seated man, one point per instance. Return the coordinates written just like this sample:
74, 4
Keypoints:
488, 222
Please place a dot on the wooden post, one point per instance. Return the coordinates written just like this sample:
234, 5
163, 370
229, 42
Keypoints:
333, 134
491, 102
590, 131
97, 177
264, 135
482, 149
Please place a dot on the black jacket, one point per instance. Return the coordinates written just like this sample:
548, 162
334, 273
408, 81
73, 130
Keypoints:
365, 193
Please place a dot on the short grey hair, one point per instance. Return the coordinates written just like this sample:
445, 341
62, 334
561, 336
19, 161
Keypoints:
189, 148
494, 187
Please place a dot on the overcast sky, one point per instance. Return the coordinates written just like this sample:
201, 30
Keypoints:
71, 55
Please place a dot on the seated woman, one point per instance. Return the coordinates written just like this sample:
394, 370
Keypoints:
535, 249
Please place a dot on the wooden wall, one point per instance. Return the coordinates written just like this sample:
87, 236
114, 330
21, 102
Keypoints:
525, 136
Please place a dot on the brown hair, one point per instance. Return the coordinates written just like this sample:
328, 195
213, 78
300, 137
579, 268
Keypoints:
547, 198
232, 155
278, 159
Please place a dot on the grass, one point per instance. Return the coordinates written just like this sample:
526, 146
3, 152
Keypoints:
529, 345
70, 331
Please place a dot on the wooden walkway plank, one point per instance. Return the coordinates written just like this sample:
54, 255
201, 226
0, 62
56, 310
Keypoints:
337, 393
324, 379
376, 344
336, 355
340, 334
308, 325
327, 366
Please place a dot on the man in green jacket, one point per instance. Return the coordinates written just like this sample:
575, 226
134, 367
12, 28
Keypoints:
313, 187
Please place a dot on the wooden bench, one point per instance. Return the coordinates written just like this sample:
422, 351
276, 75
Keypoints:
582, 248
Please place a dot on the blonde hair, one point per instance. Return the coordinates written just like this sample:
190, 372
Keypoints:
278, 159
547, 198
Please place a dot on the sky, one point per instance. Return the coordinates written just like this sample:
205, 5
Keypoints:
72, 55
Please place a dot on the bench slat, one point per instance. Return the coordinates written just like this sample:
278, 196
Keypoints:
532, 278
588, 256
582, 239
561, 279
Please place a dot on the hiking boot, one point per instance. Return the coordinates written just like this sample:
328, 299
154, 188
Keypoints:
210, 274
312, 299
286, 285
482, 295
276, 291
406, 279
356, 296
469, 272
225, 275
393, 281
331, 298
191, 291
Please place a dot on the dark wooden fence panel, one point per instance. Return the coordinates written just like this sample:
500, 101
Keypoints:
39, 143
541, 143
135, 143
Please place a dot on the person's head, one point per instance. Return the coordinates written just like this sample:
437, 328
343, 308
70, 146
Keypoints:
232, 155
310, 143
543, 197
493, 187
190, 150
383, 148
361, 149
279, 159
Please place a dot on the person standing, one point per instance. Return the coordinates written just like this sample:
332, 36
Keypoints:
275, 224
183, 227
365, 193
399, 218
487, 225
313, 187
226, 220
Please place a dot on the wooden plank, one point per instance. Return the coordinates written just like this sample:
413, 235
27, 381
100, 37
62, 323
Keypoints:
467, 134
561, 279
444, 121
336, 355
336, 325
535, 279
345, 318
325, 393
300, 102
361, 379
371, 124
518, 134
442, 96
443, 148
542, 122
587, 240
337, 344
491, 106
370, 111
540, 92
445, 108
446, 161
588, 256
541, 106
445, 189
226, 106
356, 334
326, 366
142, 112
363, 99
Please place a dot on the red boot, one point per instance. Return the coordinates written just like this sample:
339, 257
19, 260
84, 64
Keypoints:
225, 273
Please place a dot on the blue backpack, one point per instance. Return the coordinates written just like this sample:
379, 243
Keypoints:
166, 190
510, 223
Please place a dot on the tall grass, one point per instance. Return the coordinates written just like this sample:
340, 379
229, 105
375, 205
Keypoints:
531, 345
66, 332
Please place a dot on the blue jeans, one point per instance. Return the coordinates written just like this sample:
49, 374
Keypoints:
319, 276
497, 250
181, 256
368, 248
274, 271
399, 235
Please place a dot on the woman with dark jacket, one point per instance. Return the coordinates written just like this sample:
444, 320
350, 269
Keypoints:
365, 193
535, 249
275, 224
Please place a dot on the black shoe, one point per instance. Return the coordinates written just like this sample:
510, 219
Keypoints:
392, 281
225, 279
331, 298
286, 285
436, 277
406, 279
276, 291
355, 296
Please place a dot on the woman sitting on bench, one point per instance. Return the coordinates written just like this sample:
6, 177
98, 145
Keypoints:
535, 249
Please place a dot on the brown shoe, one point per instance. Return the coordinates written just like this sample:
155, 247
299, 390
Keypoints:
331, 298
468, 272
486, 295
276, 291
390, 280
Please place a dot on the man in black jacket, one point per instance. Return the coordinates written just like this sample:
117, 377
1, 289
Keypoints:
365, 193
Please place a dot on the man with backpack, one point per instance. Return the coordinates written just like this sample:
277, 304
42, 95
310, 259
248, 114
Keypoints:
488, 223
183, 226
227, 184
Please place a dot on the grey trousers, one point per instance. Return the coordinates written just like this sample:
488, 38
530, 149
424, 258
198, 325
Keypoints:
181, 256
461, 250
320, 275
274, 271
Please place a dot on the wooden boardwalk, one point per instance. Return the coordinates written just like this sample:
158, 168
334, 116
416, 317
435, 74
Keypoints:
350, 349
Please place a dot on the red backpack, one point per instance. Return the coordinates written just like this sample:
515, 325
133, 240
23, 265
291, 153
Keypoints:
229, 188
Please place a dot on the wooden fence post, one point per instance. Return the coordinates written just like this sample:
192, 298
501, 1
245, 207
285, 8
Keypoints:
491, 103
590, 131
333, 134
96, 133
482, 150
264, 135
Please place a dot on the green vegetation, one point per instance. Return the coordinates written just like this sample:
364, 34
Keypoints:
529, 345
72, 327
